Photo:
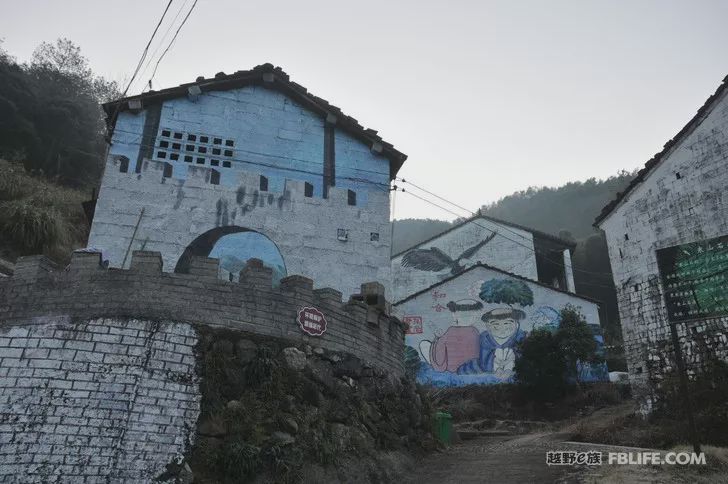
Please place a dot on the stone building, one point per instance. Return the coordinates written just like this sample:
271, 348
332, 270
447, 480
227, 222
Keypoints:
247, 165
668, 246
471, 293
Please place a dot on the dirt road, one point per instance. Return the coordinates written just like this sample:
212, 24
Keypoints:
503, 459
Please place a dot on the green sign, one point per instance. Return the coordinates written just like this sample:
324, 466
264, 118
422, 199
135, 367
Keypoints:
695, 279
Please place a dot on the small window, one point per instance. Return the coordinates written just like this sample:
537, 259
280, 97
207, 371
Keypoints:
263, 184
188, 159
201, 161
626, 236
374, 236
636, 287
216, 151
621, 255
638, 370
678, 175
176, 146
178, 136
217, 141
123, 164
308, 190
229, 153
215, 162
214, 177
229, 142
201, 149
164, 144
342, 234
191, 137
161, 154
190, 147
226, 164
167, 170
204, 139
166, 133
174, 156
351, 197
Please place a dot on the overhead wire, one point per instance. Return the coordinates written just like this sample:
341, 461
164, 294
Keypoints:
171, 42
161, 42
569, 266
475, 213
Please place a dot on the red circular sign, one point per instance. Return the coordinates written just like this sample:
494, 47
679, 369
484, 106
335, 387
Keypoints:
312, 321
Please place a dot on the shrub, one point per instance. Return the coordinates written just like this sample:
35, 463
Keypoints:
541, 366
575, 340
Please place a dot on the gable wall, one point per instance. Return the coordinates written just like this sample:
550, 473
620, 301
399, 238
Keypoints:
665, 211
511, 250
458, 331
273, 137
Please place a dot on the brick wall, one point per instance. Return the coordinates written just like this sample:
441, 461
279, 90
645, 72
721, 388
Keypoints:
95, 401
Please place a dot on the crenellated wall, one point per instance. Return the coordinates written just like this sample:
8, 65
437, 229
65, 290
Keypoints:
98, 367
306, 230
85, 290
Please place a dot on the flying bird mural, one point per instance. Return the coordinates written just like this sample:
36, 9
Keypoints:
435, 260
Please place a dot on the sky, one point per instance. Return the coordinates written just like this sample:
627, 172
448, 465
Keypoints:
485, 97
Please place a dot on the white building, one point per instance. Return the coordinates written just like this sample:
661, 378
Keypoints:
668, 246
471, 293
247, 165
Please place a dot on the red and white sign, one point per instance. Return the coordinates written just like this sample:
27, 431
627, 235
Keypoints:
414, 324
312, 321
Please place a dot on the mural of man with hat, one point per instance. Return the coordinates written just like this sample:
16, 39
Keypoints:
497, 343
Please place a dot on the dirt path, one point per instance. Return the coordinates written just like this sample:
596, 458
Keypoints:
504, 459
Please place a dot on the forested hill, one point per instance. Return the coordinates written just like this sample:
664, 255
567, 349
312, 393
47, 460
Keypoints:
569, 208
567, 211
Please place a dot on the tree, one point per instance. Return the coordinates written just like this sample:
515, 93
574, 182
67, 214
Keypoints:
506, 291
575, 340
541, 367
50, 118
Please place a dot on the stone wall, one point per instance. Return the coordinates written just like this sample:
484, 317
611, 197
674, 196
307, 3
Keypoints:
85, 290
98, 375
96, 399
683, 200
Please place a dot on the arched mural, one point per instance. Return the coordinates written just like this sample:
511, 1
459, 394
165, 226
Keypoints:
234, 246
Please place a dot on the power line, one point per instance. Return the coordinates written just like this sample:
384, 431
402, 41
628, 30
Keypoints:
154, 72
569, 266
146, 49
164, 37
505, 227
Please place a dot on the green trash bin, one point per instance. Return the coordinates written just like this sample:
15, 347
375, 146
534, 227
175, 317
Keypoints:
443, 427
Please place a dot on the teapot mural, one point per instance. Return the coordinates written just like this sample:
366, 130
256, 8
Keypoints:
476, 340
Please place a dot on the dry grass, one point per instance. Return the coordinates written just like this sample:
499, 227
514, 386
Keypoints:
38, 216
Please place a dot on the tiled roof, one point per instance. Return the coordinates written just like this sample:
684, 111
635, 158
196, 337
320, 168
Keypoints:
657, 159
274, 78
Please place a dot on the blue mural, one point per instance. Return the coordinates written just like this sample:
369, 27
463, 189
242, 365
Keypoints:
234, 250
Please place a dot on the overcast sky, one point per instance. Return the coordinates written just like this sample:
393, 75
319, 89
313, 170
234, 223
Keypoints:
486, 97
